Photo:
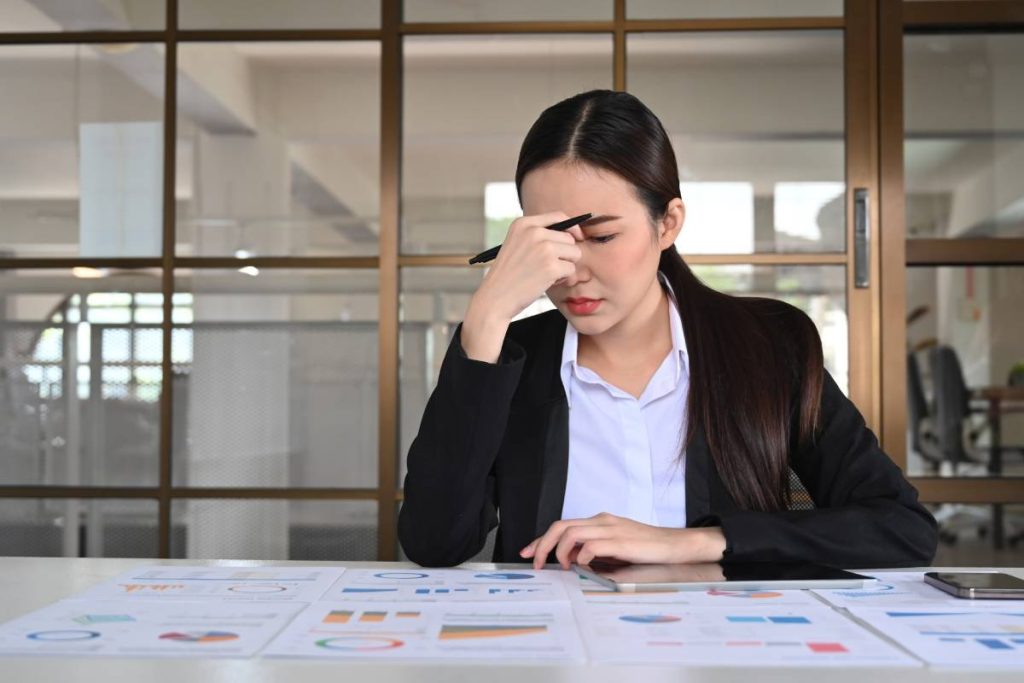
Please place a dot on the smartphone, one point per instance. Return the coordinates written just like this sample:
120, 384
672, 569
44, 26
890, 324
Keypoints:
978, 585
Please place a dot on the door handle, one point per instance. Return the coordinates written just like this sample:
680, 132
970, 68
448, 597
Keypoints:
861, 239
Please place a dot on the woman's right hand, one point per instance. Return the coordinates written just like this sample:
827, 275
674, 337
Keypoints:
531, 260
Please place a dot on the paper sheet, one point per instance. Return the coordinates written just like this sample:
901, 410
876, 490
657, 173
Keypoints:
901, 589
373, 630
138, 628
242, 584
449, 585
954, 638
740, 635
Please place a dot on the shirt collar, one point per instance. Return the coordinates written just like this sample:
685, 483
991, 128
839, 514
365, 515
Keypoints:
570, 345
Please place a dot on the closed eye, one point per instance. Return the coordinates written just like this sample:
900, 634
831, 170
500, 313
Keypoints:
603, 239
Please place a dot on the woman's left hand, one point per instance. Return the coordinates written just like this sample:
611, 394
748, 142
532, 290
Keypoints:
610, 537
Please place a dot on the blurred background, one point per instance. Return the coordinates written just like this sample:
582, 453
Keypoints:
234, 233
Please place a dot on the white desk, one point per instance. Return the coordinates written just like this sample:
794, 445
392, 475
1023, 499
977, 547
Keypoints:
31, 583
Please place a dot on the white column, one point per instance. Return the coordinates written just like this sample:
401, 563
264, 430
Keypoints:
238, 411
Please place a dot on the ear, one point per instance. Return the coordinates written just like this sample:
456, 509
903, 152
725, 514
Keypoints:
671, 224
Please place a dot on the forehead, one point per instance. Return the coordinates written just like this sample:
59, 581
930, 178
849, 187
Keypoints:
579, 188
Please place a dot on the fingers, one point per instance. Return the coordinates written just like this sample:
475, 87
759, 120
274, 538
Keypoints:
598, 548
566, 252
538, 220
529, 549
576, 232
573, 537
541, 547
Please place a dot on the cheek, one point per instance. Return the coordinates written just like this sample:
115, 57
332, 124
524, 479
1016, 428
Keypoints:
631, 258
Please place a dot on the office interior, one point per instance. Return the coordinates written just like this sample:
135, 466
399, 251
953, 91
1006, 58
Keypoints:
233, 240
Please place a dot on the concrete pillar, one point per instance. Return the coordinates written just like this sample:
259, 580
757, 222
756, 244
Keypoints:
238, 412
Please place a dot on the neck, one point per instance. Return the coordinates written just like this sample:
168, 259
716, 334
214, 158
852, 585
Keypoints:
646, 327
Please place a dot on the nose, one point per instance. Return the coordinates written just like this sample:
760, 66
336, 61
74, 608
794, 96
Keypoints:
582, 273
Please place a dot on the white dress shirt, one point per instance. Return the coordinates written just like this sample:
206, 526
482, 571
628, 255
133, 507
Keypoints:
625, 453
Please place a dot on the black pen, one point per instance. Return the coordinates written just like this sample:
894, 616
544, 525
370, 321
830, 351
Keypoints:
485, 256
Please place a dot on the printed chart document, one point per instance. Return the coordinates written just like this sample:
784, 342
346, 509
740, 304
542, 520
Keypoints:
952, 637
902, 589
740, 635
581, 588
375, 630
137, 628
241, 584
450, 585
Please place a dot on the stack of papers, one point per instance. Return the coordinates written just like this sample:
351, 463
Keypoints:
520, 615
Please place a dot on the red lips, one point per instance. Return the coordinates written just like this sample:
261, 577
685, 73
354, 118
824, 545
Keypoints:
582, 306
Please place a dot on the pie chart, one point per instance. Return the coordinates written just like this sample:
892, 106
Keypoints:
401, 575
200, 636
649, 618
359, 643
63, 636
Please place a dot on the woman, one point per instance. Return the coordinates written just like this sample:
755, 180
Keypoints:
648, 418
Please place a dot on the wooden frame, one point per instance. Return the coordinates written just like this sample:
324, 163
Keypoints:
898, 253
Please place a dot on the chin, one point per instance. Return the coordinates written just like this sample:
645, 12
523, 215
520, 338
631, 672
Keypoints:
588, 324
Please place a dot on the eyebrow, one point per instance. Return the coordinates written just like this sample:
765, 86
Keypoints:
597, 220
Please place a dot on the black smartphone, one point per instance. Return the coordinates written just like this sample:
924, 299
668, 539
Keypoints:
977, 585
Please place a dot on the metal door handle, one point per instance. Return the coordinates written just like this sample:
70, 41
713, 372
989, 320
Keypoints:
861, 239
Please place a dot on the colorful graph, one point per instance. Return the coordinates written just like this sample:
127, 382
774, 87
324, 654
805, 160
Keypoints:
879, 589
359, 643
155, 587
504, 576
200, 636
742, 619
761, 595
344, 616
338, 616
649, 618
460, 632
1009, 636
63, 636
815, 647
87, 619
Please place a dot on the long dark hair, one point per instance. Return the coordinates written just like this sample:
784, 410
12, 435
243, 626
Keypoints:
754, 362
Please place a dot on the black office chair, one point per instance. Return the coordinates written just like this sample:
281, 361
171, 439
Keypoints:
953, 411
922, 434
952, 406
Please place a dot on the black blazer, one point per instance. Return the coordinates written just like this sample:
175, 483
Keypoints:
493, 449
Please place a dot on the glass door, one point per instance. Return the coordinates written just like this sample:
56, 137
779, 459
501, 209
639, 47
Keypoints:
952, 152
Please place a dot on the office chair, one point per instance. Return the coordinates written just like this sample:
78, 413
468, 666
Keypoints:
962, 456
923, 440
1016, 379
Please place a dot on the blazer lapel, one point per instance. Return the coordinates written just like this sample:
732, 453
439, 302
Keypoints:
555, 466
547, 397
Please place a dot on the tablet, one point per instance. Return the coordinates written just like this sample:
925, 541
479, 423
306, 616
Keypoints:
636, 578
